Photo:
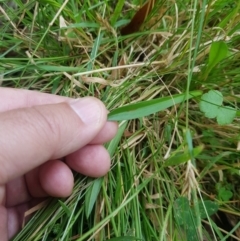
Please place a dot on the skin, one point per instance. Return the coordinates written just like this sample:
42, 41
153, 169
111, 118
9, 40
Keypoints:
42, 138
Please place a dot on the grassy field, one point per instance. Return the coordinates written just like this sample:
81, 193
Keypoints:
175, 160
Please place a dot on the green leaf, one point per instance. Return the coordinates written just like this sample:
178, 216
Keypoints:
113, 144
210, 103
218, 52
182, 211
182, 157
224, 194
125, 238
94, 52
91, 195
148, 107
185, 218
84, 25
65, 208
117, 11
225, 115
210, 207
121, 23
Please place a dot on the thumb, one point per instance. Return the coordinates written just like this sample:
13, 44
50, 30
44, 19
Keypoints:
32, 136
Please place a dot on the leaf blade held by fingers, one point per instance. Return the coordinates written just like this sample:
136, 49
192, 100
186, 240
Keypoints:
148, 107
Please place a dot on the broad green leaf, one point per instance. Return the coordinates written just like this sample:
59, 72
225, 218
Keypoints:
148, 107
238, 113
185, 218
225, 115
180, 158
218, 52
210, 103
224, 194
91, 195
182, 211
210, 207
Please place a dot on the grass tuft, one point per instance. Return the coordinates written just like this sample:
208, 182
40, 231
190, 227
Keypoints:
74, 48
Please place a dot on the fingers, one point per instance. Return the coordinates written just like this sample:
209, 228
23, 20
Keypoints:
31, 136
3, 223
19, 98
16, 192
15, 216
56, 179
91, 160
53, 178
108, 131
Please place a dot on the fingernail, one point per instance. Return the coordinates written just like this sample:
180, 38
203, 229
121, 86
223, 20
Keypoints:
88, 109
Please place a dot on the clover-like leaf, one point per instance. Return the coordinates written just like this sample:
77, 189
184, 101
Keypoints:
224, 194
207, 208
210, 103
225, 115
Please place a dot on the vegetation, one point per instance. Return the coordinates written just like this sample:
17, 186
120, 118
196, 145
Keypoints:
173, 85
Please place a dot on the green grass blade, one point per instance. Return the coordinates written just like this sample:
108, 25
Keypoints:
148, 107
113, 144
65, 208
125, 238
180, 158
91, 195
117, 12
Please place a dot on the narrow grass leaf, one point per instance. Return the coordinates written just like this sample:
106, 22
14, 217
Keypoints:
180, 158
112, 146
95, 50
189, 143
125, 238
65, 208
83, 25
121, 23
56, 68
117, 12
118, 208
148, 107
91, 195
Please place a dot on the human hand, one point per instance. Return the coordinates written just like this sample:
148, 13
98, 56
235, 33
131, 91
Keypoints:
36, 131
